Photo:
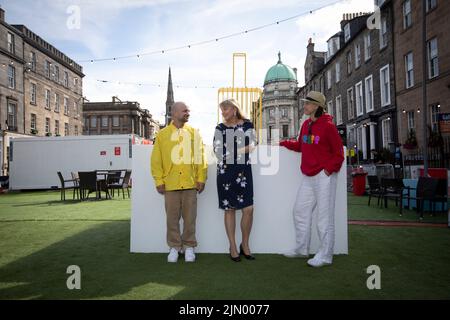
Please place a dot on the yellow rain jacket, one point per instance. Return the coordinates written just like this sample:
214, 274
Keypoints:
178, 158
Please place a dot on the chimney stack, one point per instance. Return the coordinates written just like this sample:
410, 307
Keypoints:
310, 47
2, 15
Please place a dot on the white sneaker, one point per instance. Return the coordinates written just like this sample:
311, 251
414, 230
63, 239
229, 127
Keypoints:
317, 263
173, 256
295, 254
189, 255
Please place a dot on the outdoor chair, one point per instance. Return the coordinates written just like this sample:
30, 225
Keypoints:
88, 184
64, 186
114, 179
76, 184
441, 195
393, 189
425, 191
102, 184
124, 183
374, 188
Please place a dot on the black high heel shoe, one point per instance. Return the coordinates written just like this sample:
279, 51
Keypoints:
235, 259
247, 256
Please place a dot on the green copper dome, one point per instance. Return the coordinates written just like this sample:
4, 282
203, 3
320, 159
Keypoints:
280, 72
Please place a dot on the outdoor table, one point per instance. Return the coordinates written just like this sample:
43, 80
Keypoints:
102, 183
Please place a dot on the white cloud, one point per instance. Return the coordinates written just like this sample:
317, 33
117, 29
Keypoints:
232, 8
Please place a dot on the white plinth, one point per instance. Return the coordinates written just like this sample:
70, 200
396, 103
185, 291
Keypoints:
274, 196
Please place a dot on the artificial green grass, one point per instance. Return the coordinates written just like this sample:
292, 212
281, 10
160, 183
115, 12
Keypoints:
46, 205
358, 209
39, 242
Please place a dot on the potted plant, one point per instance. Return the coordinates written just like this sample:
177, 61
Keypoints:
34, 131
411, 141
386, 156
48, 134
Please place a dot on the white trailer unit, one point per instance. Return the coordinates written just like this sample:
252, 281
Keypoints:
34, 162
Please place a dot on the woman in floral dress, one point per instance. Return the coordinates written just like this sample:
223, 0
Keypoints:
234, 139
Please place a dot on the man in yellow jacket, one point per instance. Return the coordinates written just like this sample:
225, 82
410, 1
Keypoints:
179, 169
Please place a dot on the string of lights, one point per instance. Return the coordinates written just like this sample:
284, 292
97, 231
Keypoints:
200, 43
156, 84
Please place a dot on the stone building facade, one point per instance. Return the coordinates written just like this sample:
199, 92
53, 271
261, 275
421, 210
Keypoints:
40, 88
357, 78
52, 89
409, 66
279, 102
11, 78
117, 117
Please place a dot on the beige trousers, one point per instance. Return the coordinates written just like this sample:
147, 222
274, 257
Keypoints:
181, 203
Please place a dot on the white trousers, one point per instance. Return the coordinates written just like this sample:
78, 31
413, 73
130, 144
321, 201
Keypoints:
314, 192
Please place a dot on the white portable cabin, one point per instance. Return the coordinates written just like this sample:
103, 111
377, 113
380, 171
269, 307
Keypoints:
34, 162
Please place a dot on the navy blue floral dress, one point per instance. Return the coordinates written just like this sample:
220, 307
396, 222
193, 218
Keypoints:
234, 171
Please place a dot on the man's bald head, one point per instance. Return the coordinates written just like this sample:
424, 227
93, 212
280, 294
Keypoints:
180, 112
177, 106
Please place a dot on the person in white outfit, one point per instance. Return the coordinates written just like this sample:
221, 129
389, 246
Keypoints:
322, 157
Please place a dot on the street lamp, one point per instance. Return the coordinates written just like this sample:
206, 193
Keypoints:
424, 84
4, 150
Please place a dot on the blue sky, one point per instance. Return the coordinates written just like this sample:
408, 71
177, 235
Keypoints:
112, 28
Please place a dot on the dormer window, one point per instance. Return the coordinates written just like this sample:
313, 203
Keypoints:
333, 47
330, 48
347, 32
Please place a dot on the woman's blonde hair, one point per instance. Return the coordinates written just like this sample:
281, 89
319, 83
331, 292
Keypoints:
233, 103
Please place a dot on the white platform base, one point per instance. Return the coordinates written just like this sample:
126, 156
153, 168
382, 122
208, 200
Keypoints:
274, 195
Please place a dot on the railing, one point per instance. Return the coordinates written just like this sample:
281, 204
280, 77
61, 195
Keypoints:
438, 156
379, 170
